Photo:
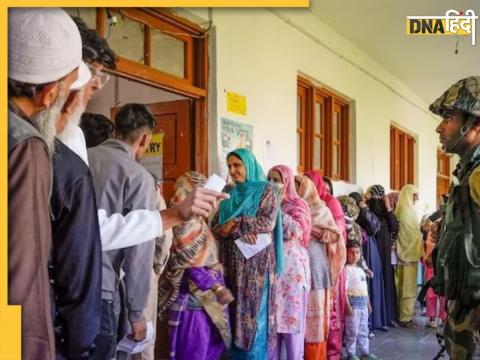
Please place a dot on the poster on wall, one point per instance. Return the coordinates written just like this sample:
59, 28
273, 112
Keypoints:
153, 158
236, 103
235, 135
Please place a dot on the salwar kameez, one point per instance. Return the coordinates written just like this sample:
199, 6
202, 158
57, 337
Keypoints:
192, 333
434, 300
406, 279
252, 282
337, 322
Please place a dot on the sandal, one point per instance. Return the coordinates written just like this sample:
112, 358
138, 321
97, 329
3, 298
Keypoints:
408, 324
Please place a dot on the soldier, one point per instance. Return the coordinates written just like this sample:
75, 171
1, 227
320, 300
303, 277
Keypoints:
458, 250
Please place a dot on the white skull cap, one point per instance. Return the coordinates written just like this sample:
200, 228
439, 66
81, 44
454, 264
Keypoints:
84, 76
44, 45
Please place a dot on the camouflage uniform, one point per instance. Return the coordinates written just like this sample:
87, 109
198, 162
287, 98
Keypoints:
457, 258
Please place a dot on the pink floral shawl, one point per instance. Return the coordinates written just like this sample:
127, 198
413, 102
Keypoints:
294, 205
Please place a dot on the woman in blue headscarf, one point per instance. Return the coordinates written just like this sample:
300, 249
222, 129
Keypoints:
252, 209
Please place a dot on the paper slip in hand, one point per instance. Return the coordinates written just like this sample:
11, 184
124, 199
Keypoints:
132, 347
215, 183
248, 250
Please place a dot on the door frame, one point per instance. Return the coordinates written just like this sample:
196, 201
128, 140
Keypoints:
194, 86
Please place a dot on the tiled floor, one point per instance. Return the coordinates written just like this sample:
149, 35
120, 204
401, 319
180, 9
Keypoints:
400, 343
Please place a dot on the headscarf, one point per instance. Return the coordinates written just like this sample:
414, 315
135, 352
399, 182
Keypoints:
356, 196
194, 246
351, 210
245, 199
394, 197
331, 201
376, 202
322, 219
376, 190
294, 205
349, 206
409, 246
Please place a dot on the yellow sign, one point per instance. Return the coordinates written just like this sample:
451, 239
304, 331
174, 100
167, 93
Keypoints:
155, 148
453, 23
236, 103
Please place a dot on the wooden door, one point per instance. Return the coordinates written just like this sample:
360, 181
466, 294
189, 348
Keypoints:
174, 120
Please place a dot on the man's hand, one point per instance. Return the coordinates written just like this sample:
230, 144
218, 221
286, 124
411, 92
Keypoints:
369, 308
139, 330
250, 238
200, 202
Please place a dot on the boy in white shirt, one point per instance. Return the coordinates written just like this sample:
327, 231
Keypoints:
357, 306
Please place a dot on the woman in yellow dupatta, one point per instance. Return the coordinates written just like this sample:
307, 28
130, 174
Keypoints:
409, 251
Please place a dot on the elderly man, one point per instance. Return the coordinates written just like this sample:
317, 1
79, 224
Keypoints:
44, 54
76, 267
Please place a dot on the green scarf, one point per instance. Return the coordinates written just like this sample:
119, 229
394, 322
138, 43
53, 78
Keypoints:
245, 199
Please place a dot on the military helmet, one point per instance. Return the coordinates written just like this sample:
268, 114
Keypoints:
463, 96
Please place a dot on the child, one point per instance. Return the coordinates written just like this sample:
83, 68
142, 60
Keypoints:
357, 306
432, 298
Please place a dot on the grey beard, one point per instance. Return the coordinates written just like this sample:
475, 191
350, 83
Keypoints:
46, 120
69, 131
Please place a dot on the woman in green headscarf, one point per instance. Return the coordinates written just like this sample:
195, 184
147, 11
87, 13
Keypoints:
251, 210
409, 250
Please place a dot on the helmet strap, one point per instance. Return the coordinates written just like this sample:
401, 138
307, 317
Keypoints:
460, 135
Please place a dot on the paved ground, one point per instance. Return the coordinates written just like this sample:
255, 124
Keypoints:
400, 343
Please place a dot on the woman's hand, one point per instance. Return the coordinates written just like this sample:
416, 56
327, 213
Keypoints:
250, 238
317, 233
226, 229
224, 296
387, 203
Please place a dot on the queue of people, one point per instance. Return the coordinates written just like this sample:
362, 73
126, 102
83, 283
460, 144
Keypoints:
90, 259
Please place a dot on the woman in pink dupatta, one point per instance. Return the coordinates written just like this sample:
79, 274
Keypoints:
293, 285
325, 235
337, 257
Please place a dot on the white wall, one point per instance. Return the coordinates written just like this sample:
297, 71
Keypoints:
257, 54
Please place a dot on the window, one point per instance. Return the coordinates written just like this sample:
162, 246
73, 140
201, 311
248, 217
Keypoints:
89, 15
402, 158
322, 131
126, 37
